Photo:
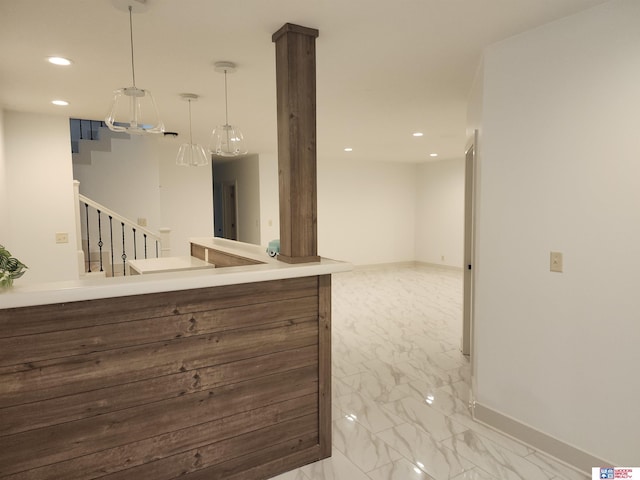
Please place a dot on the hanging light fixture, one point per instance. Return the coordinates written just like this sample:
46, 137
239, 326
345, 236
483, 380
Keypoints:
190, 154
226, 140
133, 109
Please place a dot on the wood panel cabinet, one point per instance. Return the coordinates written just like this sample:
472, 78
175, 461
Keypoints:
220, 383
220, 258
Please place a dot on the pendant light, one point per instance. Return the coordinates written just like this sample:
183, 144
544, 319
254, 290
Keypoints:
226, 140
190, 154
133, 109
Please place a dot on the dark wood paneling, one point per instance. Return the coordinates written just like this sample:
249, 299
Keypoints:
214, 454
48, 412
61, 442
197, 251
172, 443
38, 319
225, 382
241, 467
223, 259
324, 365
219, 258
279, 464
296, 109
64, 376
31, 348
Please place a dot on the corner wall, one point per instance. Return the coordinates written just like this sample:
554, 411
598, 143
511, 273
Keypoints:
39, 193
125, 179
4, 199
558, 352
186, 198
366, 211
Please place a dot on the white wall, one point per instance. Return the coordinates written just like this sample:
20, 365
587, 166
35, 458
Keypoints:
378, 212
269, 198
245, 173
440, 213
4, 199
366, 211
40, 195
126, 179
186, 198
559, 171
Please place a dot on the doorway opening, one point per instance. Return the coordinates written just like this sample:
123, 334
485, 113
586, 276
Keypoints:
225, 210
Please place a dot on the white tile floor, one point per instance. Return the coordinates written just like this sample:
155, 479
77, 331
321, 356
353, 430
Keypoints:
401, 387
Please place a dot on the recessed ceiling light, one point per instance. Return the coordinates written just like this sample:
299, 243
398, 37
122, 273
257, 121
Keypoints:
433, 154
59, 61
62, 103
418, 134
348, 149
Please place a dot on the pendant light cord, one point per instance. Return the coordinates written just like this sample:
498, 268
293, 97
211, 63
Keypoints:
226, 102
133, 68
190, 135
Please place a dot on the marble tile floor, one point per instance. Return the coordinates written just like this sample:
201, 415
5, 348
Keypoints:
401, 387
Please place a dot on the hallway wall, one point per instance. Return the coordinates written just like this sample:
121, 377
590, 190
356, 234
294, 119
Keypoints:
559, 170
366, 211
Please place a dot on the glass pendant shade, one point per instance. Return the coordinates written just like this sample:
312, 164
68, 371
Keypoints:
227, 141
134, 111
191, 155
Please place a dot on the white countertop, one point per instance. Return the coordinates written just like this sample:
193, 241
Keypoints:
168, 264
90, 288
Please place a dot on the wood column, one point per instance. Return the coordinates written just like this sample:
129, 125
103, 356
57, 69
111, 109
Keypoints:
296, 99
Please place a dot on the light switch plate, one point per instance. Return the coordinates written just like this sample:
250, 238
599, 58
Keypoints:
555, 262
62, 237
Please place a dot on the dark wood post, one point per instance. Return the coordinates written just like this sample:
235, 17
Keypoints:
296, 99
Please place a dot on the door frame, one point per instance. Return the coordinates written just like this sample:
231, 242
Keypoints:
471, 156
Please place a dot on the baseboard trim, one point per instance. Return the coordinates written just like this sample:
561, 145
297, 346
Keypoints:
438, 265
409, 264
384, 266
565, 453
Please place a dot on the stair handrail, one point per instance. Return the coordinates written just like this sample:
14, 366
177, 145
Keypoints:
162, 239
120, 218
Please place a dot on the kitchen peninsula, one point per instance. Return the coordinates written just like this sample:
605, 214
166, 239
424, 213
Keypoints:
219, 373
216, 373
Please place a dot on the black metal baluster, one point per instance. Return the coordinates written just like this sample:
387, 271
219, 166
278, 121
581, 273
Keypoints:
157, 249
145, 244
135, 250
100, 244
124, 254
86, 211
113, 274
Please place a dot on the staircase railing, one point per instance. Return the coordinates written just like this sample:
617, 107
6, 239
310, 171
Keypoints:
98, 226
82, 129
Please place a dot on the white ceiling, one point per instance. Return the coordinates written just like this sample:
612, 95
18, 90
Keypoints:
385, 69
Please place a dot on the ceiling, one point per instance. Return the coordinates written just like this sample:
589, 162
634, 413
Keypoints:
384, 69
